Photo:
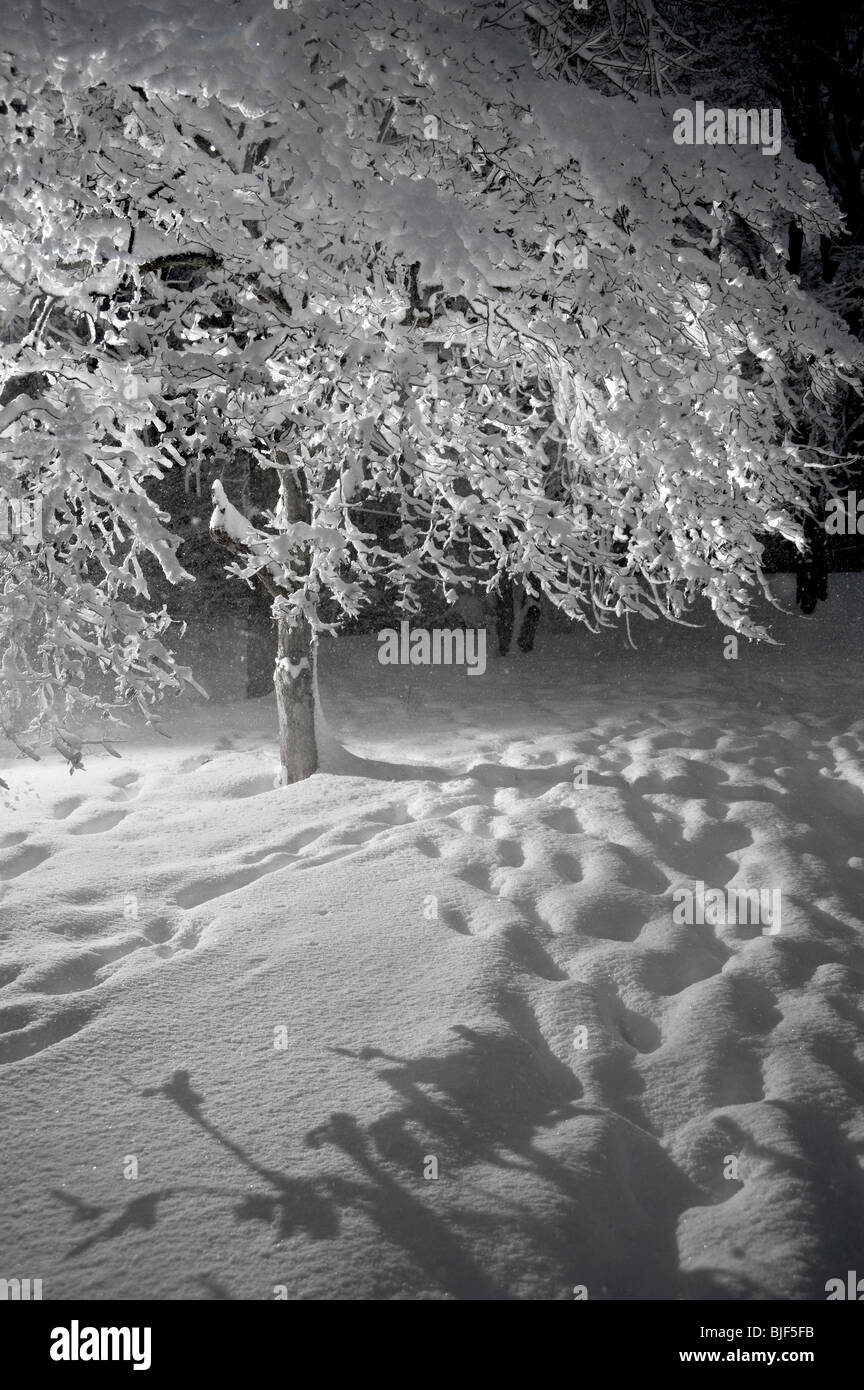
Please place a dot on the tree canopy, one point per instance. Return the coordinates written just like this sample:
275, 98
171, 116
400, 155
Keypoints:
389, 253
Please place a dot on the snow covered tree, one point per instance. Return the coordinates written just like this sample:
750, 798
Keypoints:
380, 249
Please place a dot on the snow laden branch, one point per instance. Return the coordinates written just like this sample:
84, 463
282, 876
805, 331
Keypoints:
21, 406
229, 528
78, 641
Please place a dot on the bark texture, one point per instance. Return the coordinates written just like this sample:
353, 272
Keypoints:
294, 675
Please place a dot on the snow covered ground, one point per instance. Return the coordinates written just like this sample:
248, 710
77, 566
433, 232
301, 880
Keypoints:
285, 1009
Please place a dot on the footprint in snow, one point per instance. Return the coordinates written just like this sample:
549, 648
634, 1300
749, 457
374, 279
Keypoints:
97, 825
22, 862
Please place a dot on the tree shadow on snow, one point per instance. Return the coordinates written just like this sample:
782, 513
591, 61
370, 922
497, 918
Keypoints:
817, 1171
577, 1195
293, 1206
336, 760
565, 1193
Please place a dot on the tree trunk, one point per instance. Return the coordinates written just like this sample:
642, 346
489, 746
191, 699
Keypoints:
294, 680
517, 616
294, 677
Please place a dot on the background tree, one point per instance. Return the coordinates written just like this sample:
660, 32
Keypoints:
811, 65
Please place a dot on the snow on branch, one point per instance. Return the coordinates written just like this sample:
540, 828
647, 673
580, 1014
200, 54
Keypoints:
231, 529
21, 405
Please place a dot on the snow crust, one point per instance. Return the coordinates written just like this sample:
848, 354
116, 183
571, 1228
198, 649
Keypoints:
283, 1003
